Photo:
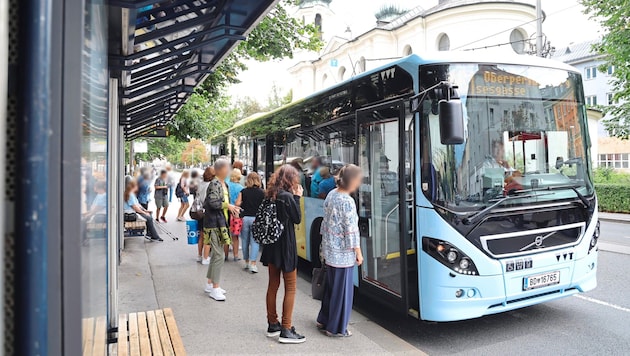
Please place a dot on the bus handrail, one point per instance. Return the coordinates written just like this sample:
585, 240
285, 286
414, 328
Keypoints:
387, 224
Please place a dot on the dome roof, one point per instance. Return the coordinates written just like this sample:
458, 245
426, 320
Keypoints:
308, 3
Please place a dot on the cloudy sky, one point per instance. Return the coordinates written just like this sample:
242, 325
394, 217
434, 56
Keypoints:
257, 81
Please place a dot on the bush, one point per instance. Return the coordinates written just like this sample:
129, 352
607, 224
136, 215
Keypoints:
607, 175
613, 198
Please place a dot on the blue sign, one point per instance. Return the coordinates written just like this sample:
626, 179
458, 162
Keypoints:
333, 62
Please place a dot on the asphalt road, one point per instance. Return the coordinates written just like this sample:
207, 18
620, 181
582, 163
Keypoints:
596, 323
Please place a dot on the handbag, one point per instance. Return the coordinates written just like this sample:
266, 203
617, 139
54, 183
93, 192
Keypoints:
318, 283
236, 225
130, 217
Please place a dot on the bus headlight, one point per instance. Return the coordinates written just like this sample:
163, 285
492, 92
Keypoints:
449, 255
595, 237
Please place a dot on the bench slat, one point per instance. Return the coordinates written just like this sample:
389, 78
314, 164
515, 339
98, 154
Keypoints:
143, 330
176, 339
123, 341
154, 334
100, 337
165, 338
88, 336
134, 344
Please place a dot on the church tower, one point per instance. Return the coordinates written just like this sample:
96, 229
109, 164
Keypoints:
318, 13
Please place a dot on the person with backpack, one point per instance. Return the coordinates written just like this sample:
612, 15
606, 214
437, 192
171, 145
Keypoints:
250, 199
217, 211
236, 223
341, 249
197, 213
280, 256
182, 191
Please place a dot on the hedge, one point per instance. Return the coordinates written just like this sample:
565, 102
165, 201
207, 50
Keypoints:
613, 198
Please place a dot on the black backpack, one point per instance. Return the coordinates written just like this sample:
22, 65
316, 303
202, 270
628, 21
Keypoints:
267, 228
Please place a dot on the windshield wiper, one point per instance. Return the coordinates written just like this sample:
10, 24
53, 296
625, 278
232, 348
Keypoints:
483, 213
583, 199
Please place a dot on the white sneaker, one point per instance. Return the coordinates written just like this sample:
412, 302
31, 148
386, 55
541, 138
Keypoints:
223, 291
199, 258
208, 288
205, 261
253, 268
217, 295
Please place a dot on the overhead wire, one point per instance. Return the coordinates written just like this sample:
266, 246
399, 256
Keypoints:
513, 28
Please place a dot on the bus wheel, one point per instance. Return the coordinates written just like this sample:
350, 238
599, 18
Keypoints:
316, 241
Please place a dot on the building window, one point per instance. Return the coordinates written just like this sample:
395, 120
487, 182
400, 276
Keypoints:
591, 100
342, 73
361, 65
324, 80
318, 24
614, 160
407, 50
444, 43
517, 40
611, 99
611, 70
591, 72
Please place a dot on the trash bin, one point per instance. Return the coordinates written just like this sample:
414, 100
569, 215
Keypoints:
192, 232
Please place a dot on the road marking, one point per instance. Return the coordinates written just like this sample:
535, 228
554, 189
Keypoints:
601, 302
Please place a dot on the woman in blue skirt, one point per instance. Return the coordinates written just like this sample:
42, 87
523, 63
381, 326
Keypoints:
341, 249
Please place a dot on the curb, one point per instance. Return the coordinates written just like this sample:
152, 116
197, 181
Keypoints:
620, 221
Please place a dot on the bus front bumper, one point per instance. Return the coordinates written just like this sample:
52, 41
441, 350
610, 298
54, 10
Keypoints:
448, 298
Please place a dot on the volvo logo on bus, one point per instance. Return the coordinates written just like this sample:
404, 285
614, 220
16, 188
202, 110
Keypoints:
538, 241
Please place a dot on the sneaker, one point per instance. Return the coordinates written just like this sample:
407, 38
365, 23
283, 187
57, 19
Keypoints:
199, 258
181, 219
156, 239
290, 336
274, 330
164, 219
246, 268
205, 261
253, 268
217, 295
209, 288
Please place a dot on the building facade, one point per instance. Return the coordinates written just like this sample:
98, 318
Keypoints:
607, 151
451, 25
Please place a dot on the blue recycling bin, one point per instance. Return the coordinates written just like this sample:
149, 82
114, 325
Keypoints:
192, 231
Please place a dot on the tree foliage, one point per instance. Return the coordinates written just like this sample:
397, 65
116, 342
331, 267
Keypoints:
195, 153
613, 16
277, 36
169, 148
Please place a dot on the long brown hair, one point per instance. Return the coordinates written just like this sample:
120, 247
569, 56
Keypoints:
131, 185
208, 174
285, 178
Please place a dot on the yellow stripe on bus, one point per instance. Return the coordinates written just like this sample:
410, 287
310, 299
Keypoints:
392, 255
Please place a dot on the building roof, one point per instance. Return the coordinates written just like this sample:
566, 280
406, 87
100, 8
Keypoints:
577, 52
419, 11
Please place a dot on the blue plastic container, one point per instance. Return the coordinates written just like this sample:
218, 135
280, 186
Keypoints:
192, 232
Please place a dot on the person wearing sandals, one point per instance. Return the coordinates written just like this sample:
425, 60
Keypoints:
341, 250
215, 226
281, 257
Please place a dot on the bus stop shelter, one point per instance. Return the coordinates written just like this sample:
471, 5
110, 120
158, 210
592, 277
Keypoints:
80, 78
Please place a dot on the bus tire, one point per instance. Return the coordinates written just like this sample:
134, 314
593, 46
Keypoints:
316, 240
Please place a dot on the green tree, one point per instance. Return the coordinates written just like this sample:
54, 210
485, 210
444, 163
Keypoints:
276, 99
613, 16
277, 36
169, 148
247, 106
194, 153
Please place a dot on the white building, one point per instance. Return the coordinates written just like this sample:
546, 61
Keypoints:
606, 151
451, 25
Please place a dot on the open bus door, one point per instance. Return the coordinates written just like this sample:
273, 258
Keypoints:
389, 270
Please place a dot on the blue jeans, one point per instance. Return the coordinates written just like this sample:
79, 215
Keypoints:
247, 240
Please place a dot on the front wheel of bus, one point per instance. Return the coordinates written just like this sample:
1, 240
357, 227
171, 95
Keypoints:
316, 241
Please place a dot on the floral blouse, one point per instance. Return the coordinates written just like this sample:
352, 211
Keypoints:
340, 230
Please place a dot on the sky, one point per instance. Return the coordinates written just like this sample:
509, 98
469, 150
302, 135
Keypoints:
565, 24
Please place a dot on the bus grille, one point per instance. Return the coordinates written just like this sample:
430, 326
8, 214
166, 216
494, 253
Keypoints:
528, 241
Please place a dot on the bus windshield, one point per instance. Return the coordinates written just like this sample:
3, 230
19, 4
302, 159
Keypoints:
526, 131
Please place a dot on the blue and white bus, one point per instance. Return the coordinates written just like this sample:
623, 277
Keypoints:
478, 195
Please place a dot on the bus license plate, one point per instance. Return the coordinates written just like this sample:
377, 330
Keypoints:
541, 280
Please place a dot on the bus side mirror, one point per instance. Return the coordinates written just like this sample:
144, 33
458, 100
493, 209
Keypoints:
451, 122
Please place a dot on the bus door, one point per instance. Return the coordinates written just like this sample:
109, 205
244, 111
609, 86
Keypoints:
385, 206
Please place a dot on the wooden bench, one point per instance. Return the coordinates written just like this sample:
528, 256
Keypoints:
94, 336
149, 333
135, 228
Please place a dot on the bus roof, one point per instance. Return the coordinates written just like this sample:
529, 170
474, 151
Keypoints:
486, 56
